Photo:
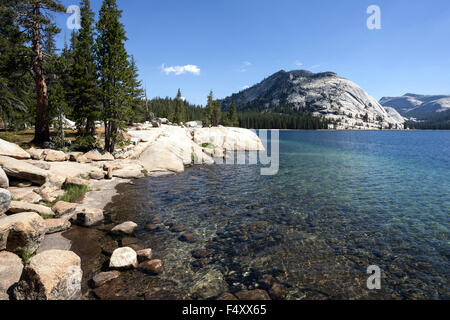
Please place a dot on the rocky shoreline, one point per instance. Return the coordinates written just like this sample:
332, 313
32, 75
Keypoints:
36, 261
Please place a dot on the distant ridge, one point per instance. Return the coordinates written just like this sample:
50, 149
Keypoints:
422, 107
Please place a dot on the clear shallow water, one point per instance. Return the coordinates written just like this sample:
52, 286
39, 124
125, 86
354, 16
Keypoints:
341, 201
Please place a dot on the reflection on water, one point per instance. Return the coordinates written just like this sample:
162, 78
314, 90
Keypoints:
342, 201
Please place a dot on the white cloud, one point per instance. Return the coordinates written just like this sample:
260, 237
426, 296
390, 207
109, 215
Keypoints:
245, 66
178, 70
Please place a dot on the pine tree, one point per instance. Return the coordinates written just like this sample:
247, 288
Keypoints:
208, 114
15, 90
179, 109
216, 113
33, 18
58, 104
136, 92
83, 87
232, 117
114, 71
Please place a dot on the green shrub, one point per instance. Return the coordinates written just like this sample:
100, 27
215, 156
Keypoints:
208, 145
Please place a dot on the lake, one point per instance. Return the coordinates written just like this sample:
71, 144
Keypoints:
341, 202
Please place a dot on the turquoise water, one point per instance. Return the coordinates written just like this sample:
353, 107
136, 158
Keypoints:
342, 201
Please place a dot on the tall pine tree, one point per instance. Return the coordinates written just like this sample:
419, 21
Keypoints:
136, 92
114, 71
83, 86
179, 108
16, 93
208, 116
33, 18
232, 117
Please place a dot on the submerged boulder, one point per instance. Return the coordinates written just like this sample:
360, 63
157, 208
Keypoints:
104, 277
51, 275
126, 228
253, 295
211, 285
153, 267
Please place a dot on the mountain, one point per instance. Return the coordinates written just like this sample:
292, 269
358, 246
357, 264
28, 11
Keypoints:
322, 94
422, 107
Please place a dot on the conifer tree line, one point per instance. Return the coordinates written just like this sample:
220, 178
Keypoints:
92, 79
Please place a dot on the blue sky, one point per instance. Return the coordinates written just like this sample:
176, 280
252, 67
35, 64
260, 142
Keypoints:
226, 45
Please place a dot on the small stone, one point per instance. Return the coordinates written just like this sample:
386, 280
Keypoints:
266, 279
56, 156
151, 227
253, 295
144, 255
200, 263
156, 220
104, 277
36, 154
73, 156
77, 181
152, 267
96, 155
188, 237
62, 208
128, 240
97, 175
135, 247
5, 200
278, 291
200, 253
176, 228
227, 296
126, 228
123, 258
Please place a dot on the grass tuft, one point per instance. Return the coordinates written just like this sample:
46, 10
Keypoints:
74, 193
26, 256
